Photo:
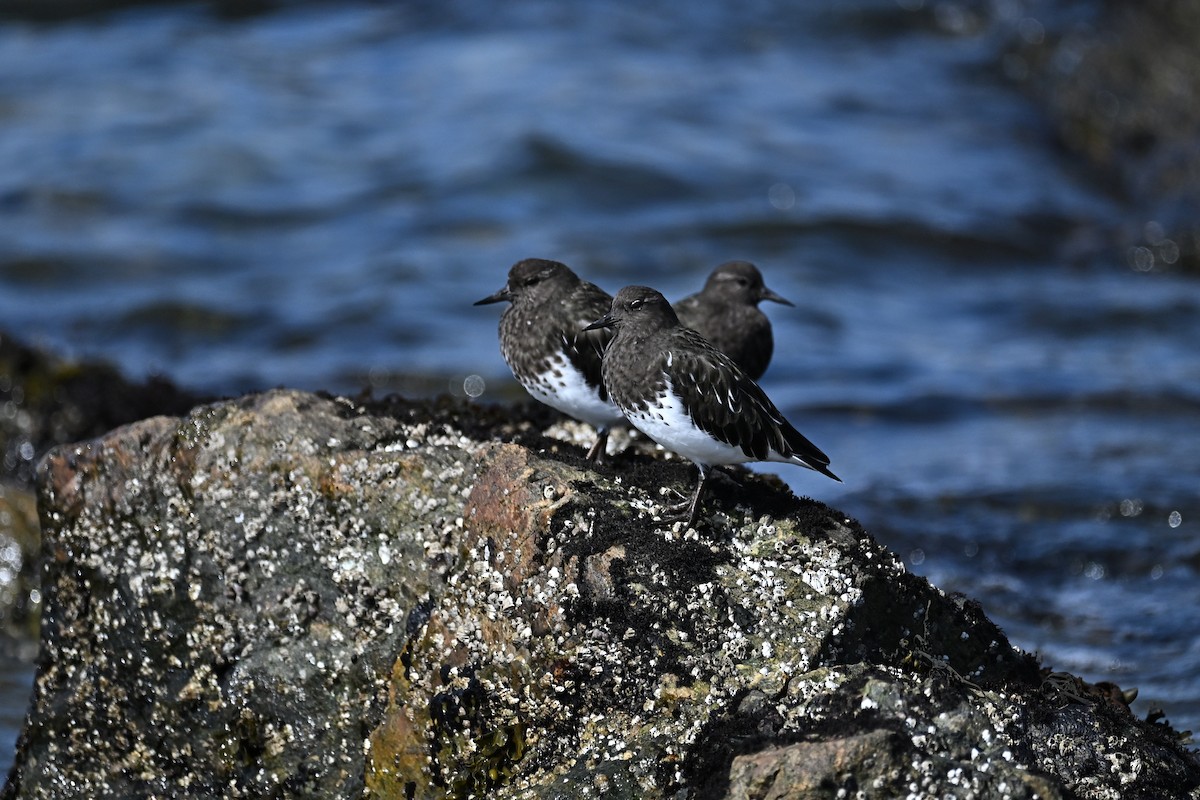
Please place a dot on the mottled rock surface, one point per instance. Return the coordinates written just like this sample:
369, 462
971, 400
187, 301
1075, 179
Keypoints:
291, 595
46, 400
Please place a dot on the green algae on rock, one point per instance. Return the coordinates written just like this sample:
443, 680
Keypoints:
292, 595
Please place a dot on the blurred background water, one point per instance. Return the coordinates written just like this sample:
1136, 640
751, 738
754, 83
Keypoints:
314, 197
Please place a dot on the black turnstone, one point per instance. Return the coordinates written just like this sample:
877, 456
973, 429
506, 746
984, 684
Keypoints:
543, 341
726, 313
691, 398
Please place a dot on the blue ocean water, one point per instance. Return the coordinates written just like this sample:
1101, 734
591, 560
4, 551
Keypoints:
313, 198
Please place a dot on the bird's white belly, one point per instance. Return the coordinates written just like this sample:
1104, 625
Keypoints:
666, 422
563, 387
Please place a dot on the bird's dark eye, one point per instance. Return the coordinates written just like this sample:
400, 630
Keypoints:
637, 303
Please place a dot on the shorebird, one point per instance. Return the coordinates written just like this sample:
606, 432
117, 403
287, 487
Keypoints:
542, 338
691, 398
726, 313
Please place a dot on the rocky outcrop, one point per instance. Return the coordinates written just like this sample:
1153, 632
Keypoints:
47, 400
292, 595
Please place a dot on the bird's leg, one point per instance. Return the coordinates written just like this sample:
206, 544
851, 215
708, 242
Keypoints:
597, 452
692, 507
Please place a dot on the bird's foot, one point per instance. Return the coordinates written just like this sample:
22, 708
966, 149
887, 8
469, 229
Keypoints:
688, 511
678, 509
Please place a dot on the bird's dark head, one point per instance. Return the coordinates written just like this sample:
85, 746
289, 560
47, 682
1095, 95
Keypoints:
640, 307
528, 278
740, 282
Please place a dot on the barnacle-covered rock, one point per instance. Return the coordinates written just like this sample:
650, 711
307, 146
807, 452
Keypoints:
293, 595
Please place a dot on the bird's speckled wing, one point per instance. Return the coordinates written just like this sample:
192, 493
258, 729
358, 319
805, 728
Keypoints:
729, 406
741, 332
585, 349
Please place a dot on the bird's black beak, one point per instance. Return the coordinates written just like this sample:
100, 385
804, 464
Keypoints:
607, 321
502, 295
767, 294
